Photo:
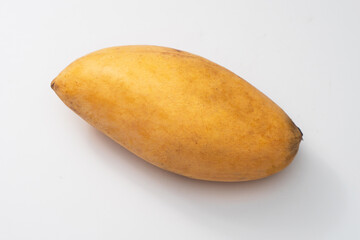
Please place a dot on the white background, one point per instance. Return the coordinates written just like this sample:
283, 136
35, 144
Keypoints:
62, 179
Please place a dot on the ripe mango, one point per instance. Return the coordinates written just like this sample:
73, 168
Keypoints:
180, 112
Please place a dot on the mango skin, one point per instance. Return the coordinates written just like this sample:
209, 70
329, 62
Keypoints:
180, 112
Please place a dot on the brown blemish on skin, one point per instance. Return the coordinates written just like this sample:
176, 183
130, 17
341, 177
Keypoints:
295, 141
295, 129
53, 85
300, 132
294, 147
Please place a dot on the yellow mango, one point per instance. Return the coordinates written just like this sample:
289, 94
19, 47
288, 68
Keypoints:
180, 112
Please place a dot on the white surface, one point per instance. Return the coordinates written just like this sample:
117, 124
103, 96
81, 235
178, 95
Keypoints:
62, 179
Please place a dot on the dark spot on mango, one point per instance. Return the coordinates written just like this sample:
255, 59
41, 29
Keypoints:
53, 84
300, 132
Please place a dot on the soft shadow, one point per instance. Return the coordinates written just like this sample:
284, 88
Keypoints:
307, 193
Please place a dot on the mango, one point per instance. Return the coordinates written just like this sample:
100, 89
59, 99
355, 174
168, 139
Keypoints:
180, 112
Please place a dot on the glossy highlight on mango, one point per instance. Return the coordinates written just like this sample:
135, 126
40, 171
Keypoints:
180, 112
